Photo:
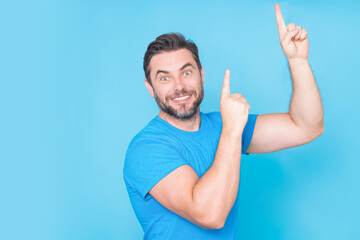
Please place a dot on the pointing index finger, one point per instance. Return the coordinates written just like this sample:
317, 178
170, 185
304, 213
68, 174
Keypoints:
280, 20
226, 84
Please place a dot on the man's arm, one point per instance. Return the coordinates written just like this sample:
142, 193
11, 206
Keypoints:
304, 121
306, 108
207, 201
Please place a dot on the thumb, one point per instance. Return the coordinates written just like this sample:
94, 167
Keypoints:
289, 35
226, 84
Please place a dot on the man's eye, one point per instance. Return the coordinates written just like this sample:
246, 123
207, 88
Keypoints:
187, 73
164, 78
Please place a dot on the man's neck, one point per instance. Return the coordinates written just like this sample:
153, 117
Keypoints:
189, 125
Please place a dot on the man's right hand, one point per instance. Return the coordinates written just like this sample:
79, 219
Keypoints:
234, 108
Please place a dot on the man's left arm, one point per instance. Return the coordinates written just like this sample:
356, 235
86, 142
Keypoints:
304, 121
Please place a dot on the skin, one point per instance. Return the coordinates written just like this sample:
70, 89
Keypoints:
207, 201
305, 120
170, 73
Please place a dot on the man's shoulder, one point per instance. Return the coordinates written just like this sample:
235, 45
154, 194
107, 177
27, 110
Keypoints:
153, 130
155, 133
151, 148
214, 117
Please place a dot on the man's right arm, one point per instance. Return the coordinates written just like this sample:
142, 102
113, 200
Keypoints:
207, 201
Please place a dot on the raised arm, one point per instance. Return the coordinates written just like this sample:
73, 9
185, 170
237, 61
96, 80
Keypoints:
207, 201
304, 121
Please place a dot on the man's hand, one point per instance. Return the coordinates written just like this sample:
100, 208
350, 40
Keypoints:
233, 108
293, 39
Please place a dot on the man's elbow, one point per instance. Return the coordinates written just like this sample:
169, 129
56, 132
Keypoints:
313, 134
213, 222
216, 224
321, 130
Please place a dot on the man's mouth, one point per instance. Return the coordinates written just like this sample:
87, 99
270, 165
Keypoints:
181, 98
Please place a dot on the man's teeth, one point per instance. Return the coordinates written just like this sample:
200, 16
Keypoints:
181, 98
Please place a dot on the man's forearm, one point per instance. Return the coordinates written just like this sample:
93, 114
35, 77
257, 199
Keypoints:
216, 191
306, 108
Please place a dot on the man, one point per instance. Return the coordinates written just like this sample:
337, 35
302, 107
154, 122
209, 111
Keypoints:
182, 170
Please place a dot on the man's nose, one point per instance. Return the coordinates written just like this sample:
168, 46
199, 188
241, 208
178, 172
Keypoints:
179, 84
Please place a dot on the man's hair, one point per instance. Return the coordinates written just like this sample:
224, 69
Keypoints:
166, 43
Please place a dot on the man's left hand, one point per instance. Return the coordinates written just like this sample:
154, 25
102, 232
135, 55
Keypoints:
293, 39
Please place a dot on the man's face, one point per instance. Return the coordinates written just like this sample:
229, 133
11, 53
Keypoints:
176, 83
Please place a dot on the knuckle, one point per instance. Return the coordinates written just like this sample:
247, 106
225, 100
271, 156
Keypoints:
291, 26
237, 95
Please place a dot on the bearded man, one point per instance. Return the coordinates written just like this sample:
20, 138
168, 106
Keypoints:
182, 170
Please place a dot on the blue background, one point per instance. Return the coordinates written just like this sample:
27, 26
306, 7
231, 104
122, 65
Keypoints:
72, 96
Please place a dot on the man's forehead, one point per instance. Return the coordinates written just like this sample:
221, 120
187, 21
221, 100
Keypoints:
171, 60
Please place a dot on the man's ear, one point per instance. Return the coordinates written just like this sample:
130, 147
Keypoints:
149, 87
202, 76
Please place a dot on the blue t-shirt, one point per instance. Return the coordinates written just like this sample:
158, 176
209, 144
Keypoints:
159, 149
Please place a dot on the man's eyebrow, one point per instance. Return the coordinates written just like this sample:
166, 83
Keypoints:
161, 71
166, 72
186, 65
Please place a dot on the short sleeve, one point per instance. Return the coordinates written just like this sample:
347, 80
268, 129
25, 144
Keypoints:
248, 133
148, 161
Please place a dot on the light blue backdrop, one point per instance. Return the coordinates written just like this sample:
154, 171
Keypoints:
72, 96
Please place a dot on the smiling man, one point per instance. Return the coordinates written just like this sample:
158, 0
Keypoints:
182, 170
181, 98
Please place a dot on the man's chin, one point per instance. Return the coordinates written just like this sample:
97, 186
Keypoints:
183, 111
181, 115
187, 114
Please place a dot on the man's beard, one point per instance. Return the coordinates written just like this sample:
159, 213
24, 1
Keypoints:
181, 114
